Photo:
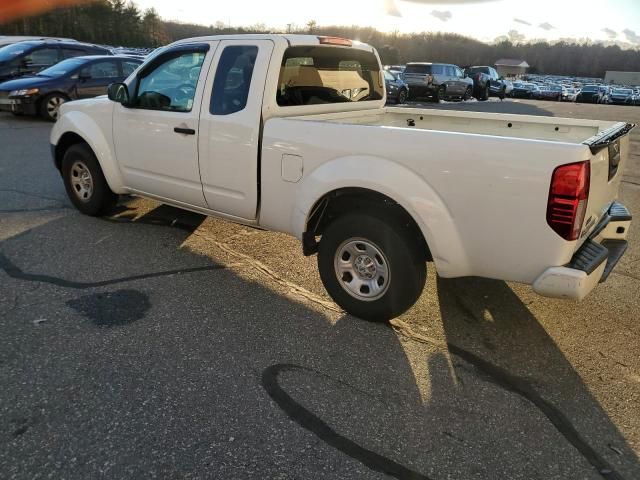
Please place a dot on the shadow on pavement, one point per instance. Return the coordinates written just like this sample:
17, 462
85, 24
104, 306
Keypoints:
204, 373
484, 318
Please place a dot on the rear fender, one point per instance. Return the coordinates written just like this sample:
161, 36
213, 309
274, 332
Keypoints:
401, 185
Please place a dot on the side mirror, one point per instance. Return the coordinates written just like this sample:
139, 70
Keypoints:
119, 93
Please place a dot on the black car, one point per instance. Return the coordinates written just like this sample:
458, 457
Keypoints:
397, 89
82, 77
589, 94
524, 90
26, 58
486, 82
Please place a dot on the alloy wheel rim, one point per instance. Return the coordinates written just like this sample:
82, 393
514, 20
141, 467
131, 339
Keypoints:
362, 269
81, 181
53, 106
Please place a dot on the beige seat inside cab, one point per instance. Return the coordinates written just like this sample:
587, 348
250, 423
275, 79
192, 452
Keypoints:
310, 76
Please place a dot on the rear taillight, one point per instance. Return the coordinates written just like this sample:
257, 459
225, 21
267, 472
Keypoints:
568, 198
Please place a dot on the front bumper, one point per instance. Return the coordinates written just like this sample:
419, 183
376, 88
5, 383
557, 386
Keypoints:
24, 106
593, 262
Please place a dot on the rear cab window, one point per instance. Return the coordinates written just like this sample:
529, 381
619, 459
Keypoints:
316, 75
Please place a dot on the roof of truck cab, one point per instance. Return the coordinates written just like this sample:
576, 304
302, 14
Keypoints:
292, 39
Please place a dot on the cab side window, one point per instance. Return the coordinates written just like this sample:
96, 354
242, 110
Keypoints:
170, 84
233, 80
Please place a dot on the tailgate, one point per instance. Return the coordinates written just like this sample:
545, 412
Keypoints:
609, 153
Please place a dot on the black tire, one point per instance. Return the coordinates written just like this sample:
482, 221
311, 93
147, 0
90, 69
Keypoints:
503, 93
486, 93
94, 201
467, 94
401, 253
50, 104
441, 94
402, 96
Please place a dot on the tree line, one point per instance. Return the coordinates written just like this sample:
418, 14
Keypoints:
118, 23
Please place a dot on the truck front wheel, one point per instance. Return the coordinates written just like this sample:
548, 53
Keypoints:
84, 181
372, 265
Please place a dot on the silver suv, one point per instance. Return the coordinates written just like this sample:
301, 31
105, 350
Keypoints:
437, 81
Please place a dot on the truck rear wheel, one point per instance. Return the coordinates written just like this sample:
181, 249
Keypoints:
372, 265
84, 181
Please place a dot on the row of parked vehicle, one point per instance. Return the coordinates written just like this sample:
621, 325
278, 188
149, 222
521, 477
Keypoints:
440, 81
444, 81
38, 75
589, 93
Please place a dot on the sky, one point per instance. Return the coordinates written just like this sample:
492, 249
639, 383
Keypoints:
597, 20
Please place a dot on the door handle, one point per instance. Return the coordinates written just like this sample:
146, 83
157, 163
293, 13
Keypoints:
184, 131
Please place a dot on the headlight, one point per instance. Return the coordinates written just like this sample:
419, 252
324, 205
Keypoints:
24, 93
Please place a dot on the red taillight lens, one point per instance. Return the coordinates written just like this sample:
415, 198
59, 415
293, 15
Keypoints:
568, 198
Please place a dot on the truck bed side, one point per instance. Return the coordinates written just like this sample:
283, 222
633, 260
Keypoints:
472, 195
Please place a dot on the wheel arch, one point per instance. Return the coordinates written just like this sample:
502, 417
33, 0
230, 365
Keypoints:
341, 201
389, 184
77, 127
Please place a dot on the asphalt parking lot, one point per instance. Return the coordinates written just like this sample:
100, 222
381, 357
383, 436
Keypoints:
157, 343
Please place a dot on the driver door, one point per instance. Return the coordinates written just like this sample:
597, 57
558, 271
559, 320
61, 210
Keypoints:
156, 134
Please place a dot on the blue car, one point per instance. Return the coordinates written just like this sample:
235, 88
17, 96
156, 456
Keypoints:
397, 89
72, 79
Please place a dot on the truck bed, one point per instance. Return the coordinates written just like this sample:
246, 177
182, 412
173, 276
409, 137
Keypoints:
568, 130
480, 182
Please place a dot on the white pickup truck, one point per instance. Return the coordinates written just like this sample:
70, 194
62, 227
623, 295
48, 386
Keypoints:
290, 133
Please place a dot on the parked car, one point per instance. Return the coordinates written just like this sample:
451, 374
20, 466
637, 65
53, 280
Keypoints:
438, 81
535, 91
396, 69
397, 89
486, 82
605, 92
523, 90
621, 96
550, 92
26, 58
589, 94
311, 159
75, 78
570, 94
508, 87
11, 39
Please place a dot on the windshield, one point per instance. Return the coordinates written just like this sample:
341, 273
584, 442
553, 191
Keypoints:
478, 70
389, 77
622, 91
11, 51
590, 88
321, 75
62, 68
